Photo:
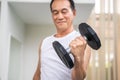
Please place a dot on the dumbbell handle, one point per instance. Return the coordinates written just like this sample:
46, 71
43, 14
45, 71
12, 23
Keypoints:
68, 50
85, 38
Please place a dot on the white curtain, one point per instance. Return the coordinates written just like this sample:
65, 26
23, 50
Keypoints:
105, 21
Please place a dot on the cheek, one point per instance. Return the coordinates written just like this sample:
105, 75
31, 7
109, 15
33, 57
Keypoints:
54, 19
70, 17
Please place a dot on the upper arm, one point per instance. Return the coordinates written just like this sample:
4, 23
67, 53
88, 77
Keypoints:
39, 53
38, 72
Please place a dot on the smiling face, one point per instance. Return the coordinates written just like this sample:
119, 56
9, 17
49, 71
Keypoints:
63, 16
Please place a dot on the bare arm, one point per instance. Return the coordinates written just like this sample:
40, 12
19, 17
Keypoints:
81, 54
38, 72
80, 66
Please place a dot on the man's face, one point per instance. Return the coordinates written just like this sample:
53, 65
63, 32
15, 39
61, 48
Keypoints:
62, 14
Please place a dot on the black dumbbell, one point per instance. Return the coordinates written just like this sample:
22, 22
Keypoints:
92, 40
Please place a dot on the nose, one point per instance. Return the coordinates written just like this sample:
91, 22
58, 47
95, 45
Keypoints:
60, 16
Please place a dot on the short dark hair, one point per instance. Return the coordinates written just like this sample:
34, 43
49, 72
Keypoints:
72, 4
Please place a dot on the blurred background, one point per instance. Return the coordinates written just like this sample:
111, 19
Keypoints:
105, 18
24, 23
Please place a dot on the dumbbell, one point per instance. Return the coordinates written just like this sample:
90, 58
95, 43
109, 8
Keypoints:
90, 36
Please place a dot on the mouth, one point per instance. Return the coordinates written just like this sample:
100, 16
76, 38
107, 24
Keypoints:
61, 22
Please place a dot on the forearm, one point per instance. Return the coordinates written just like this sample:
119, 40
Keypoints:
79, 72
81, 64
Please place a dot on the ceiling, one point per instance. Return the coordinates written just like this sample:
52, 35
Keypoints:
39, 13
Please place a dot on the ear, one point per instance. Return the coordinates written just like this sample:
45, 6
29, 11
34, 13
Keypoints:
74, 12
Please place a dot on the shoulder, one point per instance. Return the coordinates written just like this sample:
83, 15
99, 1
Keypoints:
46, 39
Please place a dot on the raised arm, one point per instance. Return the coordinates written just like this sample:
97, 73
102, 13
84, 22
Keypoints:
81, 55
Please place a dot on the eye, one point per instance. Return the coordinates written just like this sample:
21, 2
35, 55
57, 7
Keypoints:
54, 12
64, 11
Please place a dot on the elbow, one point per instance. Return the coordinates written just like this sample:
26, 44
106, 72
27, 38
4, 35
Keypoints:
84, 75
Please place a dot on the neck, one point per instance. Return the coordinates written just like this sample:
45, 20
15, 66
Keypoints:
63, 33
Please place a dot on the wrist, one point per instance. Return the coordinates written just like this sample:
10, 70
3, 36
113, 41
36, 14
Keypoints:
78, 59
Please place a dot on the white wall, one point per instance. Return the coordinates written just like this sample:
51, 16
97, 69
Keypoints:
14, 70
77, 1
0, 41
34, 34
11, 25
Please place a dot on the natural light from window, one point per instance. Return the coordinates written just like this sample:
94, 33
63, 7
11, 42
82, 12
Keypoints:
108, 6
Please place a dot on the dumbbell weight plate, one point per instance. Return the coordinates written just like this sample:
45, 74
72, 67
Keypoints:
63, 54
92, 38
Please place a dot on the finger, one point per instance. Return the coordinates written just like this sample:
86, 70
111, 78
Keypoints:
80, 40
73, 44
83, 39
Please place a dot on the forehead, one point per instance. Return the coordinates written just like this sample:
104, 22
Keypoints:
60, 4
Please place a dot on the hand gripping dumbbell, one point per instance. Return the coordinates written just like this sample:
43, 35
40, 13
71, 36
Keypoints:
90, 36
